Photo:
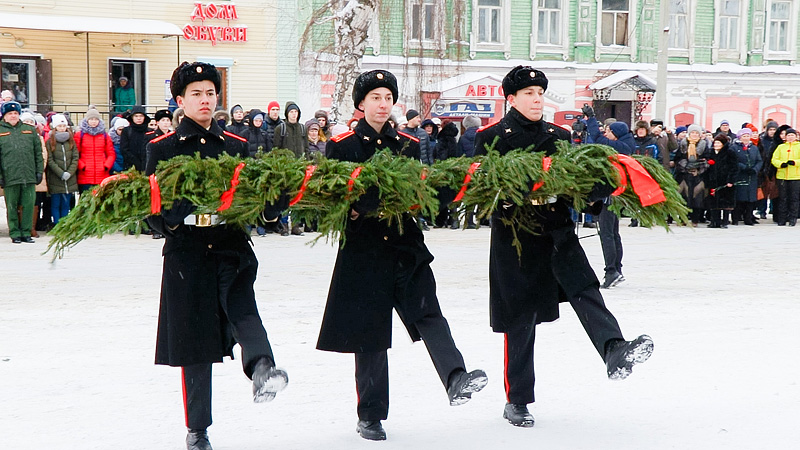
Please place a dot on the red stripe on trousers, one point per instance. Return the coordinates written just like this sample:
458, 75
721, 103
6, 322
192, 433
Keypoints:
185, 405
505, 365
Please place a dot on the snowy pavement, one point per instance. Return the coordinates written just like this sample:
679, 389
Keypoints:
77, 345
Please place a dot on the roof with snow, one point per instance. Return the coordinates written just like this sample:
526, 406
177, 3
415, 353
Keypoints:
89, 24
625, 80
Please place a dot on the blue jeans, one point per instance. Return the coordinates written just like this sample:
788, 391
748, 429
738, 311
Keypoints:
59, 206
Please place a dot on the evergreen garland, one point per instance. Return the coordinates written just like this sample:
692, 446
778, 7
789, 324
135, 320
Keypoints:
405, 185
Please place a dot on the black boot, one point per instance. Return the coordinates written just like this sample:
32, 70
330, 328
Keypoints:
371, 430
267, 381
518, 415
622, 355
462, 385
197, 440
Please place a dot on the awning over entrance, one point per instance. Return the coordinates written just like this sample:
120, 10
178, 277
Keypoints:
89, 24
625, 79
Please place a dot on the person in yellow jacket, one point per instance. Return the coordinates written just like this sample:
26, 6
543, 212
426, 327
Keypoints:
787, 159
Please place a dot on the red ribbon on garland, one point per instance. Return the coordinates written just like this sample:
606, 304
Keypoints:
227, 197
352, 181
309, 171
643, 184
109, 179
155, 195
546, 162
472, 168
623, 178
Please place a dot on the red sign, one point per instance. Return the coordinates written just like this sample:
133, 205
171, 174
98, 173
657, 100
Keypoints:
214, 34
484, 90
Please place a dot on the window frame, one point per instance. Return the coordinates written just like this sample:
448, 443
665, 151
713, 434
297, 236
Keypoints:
504, 33
791, 34
438, 41
628, 49
561, 48
739, 52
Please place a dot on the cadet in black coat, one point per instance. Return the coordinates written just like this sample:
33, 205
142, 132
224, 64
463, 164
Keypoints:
525, 290
207, 298
378, 269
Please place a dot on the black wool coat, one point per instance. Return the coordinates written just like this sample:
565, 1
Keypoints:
133, 144
553, 265
722, 171
192, 326
358, 313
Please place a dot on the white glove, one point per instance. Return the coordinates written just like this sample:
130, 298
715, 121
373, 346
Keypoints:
66, 176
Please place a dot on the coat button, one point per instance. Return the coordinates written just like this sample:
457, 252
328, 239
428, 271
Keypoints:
202, 140
210, 246
378, 141
386, 238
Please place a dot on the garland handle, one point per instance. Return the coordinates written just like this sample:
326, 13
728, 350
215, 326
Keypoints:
309, 171
227, 197
472, 168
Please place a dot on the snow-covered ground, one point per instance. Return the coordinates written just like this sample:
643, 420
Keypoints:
77, 342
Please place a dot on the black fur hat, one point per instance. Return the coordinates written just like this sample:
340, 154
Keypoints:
162, 113
189, 73
521, 77
374, 79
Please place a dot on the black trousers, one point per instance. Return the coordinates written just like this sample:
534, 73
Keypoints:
744, 211
240, 307
597, 320
789, 198
372, 368
610, 240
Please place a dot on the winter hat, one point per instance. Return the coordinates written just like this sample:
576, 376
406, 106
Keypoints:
273, 104
120, 123
138, 109
188, 73
163, 114
521, 77
436, 121
697, 128
374, 79
744, 131
26, 116
471, 121
92, 114
290, 106
321, 113
40, 120
427, 122
722, 138
258, 117
724, 122
619, 129
791, 131
123, 78
236, 108
312, 123
609, 121
642, 124
680, 130
771, 124
59, 119
411, 113
10, 106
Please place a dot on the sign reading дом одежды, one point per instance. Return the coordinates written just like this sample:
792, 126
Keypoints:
214, 33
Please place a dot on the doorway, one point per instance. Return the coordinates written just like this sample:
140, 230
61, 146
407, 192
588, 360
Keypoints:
19, 77
620, 110
222, 98
134, 71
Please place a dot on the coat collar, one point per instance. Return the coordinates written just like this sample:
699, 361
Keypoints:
190, 129
366, 133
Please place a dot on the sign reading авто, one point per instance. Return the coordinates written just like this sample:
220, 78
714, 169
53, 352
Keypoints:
214, 33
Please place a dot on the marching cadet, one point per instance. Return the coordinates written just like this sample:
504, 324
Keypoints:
379, 269
525, 290
207, 298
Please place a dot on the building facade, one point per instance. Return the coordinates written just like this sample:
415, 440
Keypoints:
728, 59
65, 55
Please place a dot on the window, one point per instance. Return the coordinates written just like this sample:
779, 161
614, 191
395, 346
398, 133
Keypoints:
678, 24
729, 25
778, 31
490, 14
614, 28
548, 23
423, 20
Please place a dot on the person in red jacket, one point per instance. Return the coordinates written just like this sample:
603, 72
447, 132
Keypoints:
96, 150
